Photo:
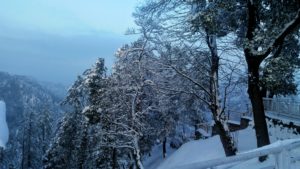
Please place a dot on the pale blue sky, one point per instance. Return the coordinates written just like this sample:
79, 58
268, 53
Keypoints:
55, 40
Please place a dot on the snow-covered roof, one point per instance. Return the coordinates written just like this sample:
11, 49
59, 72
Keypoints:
247, 117
234, 122
204, 133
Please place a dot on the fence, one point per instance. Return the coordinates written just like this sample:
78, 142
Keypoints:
283, 107
281, 150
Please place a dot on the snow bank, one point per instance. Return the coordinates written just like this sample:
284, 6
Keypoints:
3, 125
195, 151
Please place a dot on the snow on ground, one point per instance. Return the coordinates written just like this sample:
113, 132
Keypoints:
156, 157
279, 132
270, 162
276, 133
195, 151
202, 150
284, 118
245, 141
183, 131
254, 164
3, 125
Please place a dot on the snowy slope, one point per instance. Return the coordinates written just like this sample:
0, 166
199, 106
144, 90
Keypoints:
156, 157
3, 125
195, 151
202, 150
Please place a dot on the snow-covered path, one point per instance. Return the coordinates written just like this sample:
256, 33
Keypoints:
3, 125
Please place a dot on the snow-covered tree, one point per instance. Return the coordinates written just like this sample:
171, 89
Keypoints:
72, 142
65, 149
262, 34
196, 26
268, 25
132, 103
279, 70
31, 114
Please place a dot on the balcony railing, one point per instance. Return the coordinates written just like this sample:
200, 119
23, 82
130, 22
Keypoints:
284, 152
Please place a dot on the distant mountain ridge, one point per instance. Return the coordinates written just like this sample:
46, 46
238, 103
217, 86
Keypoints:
32, 112
17, 91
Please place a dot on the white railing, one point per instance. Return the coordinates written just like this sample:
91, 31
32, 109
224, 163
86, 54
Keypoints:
281, 150
284, 107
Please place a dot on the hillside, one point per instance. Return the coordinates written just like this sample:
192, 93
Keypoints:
31, 111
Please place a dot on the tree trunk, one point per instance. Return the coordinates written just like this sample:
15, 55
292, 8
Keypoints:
115, 160
224, 133
215, 107
132, 161
254, 92
26, 143
271, 94
83, 146
165, 147
29, 141
137, 154
23, 150
264, 91
226, 140
1, 154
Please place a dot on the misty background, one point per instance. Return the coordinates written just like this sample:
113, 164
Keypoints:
54, 41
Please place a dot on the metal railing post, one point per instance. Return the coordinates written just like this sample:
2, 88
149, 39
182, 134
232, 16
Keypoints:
277, 160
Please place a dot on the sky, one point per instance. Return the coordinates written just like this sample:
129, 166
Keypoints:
56, 40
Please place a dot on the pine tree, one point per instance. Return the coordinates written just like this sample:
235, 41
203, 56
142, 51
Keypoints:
279, 70
71, 146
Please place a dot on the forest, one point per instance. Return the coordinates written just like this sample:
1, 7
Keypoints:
195, 64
